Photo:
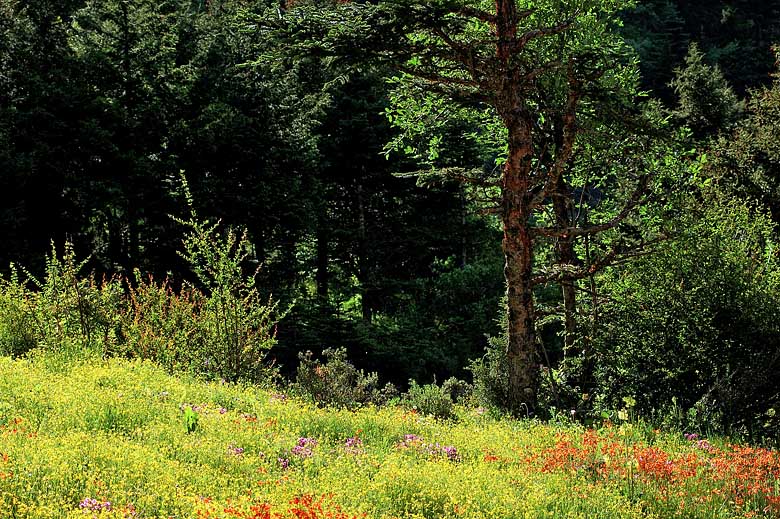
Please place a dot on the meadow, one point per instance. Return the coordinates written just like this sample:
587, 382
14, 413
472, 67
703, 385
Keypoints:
124, 439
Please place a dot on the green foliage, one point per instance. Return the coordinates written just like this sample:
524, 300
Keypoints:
65, 312
238, 325
112, 419
17, 326
747, 160
706, 101
337, 382
693, 326
431, 399
164, 326
224, 332
491, 371
190, 419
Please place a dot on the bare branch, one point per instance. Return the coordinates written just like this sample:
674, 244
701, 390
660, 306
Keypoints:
571, 232
479, 14
489, 210
437, 78
616, 256
460, 175
464, 53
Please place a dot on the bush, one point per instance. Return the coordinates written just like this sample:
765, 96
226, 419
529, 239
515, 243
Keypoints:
163, 326
67, 313
338, 383
18, 333
430, 399
237, 324
223, 328
694, 326
491, 371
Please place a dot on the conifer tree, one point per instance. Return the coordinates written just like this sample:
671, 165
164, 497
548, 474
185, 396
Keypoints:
706, 101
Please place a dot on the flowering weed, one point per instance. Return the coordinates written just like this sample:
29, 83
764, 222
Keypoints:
254, 455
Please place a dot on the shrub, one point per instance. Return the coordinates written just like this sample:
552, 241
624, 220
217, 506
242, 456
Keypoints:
162, 325
223, 328
237, 323
491, 371
17, 326
694, 326
429, 399
67, 313
338, 382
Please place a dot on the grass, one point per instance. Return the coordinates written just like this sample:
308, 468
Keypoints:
123, 439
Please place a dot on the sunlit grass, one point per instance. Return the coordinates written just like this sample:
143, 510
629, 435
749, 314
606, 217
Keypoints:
112, 439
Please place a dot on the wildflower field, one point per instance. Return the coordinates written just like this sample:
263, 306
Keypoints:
123, 439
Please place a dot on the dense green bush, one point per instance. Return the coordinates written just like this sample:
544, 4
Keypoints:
65, 311
17, 329
692, 331
337, 382
491, 371
163, 325
435, 400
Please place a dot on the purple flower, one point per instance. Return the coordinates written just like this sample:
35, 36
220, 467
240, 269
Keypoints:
442, 451
278, 397
451, 453
236, 451
410, 440
353, 445
691, 436
703, 445
306, 442
284, 463
303, 448
353, 442
92, 504
222, 410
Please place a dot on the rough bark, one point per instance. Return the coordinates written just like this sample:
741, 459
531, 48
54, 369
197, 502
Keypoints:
517, 245
506, 78
518, 270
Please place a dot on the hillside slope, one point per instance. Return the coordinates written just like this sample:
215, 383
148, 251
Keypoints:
123, 439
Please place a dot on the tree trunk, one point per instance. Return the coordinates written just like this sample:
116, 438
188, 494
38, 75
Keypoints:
523, 363
566, 257
463, 230
516, 209
365, 293
322, 275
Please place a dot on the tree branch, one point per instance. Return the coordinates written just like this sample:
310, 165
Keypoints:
568, 138
479, 14
520, 43
437, 78
572, 232
569, 272
460, 175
